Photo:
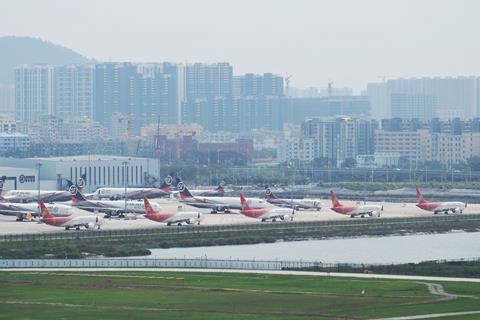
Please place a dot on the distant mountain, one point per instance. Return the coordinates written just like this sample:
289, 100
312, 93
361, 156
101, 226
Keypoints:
15, 51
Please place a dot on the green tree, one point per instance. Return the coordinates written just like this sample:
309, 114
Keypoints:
474, 163
349, 163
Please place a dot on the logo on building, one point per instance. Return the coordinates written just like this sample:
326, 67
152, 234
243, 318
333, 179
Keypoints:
24, 179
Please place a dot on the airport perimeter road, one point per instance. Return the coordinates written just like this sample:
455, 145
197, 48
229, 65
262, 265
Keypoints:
8, 225
274, 272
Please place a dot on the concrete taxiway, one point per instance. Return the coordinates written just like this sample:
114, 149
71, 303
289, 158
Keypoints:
8, 225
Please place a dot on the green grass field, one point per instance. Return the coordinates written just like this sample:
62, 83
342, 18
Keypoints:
183, 295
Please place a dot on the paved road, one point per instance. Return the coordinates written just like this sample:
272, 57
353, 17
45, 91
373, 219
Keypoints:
434, 315
279, 272
437, 289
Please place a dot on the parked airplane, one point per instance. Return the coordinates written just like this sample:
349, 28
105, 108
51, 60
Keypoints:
135, 193
188, 217
109, 207
355, 210
27, 211
437, 207
216, 204
26, 196
265, 214
292, 203
217, 192
72, 221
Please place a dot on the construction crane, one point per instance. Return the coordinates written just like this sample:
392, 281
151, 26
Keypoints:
330, 88
287, 83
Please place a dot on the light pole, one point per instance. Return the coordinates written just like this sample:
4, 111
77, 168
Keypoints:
39, 165
125, 171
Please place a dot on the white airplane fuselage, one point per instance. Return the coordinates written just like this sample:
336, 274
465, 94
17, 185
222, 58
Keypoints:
223, 203
21, 210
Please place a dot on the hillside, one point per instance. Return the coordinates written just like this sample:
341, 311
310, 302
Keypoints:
15, 51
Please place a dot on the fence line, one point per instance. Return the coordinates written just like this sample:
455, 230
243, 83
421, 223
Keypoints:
203, 263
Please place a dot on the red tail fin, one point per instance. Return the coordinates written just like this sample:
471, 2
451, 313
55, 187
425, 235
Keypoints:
44, 211
420, 197
335, 201
148, 206
244, 202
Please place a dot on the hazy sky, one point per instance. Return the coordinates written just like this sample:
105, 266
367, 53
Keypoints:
349, 42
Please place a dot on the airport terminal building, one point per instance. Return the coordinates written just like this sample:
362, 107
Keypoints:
101, 170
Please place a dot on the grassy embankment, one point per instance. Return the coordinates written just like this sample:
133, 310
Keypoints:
169, 295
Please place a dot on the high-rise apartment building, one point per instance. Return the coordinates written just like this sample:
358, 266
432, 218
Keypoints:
208, 93
143, 92
34, 92
7, 100
298, 109
406, 106
115, 84
63, 91
260, 102
446, 142
455, 96
338, 139
73, 91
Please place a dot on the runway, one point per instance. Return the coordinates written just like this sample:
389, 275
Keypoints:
8, 225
